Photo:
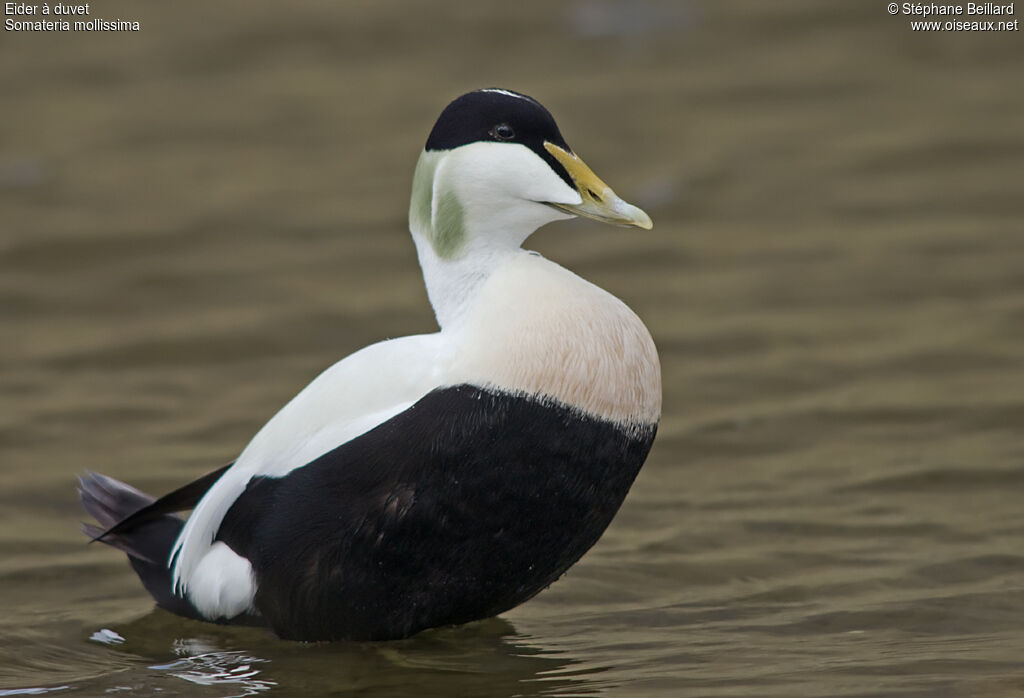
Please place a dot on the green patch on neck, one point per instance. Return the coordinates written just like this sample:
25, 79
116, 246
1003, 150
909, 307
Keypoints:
422, 192
449, 230
446, 227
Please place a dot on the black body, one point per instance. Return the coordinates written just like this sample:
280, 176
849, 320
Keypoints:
463, 506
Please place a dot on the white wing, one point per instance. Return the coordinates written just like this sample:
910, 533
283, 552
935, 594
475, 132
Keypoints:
348, 399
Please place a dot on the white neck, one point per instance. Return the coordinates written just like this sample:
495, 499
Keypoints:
452, 283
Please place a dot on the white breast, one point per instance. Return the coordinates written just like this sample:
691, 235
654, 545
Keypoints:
537, 328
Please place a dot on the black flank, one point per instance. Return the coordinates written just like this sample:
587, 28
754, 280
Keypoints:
463, 506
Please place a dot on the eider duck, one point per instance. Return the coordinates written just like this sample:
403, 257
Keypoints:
434, 479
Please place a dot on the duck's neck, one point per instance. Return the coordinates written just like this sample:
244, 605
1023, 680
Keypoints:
453, 283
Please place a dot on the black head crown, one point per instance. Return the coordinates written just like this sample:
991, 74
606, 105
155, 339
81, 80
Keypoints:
497, 115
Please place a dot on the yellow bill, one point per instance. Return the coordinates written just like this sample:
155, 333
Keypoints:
599, 201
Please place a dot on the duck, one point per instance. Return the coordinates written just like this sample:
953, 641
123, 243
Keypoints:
435, 479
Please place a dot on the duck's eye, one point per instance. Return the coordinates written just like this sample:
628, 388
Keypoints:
502, 132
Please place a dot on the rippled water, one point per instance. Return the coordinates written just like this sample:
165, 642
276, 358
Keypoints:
198, 218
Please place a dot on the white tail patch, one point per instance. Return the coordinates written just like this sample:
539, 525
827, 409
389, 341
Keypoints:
222, 585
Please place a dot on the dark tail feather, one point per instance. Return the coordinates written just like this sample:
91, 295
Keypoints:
185, 497
148, 544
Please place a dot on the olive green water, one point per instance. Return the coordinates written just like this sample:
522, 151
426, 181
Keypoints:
197, 218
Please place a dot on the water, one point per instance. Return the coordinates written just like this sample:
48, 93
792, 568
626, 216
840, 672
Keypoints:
199, 217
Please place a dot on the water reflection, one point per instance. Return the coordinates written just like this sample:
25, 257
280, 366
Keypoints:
489, 658
38, 691
205, 666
